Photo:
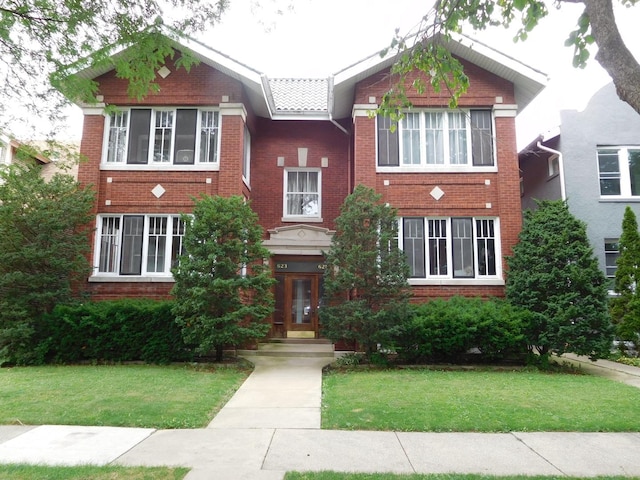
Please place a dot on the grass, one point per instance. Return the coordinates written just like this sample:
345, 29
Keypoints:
124, 396
477, 401
389, 476
34, 472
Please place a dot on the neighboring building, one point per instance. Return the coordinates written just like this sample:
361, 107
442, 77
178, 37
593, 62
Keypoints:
592, 161
296, 148
9, 154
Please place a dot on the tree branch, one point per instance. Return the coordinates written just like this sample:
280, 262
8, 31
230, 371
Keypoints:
613, 54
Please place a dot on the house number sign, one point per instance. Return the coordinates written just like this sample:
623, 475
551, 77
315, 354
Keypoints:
301, 267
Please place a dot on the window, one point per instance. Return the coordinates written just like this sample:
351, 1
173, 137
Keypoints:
143, 136
462, 247
445, 139
619, 171
302, 193
246, 156
554, 165
138, 244
611, 254
388, 155
209, 132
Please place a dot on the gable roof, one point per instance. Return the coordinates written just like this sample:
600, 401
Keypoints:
332, 97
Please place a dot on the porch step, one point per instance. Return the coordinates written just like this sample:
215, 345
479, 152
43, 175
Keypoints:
292, 348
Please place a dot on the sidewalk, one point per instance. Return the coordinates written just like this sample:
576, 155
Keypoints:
272, 425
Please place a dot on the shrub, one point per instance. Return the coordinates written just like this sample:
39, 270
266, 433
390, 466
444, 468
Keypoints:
447, 330
113, 331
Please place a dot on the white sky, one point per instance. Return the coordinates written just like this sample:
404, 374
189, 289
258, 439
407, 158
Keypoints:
320, 37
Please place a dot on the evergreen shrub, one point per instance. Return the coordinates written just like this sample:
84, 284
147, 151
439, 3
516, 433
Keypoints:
114, 331
460, 329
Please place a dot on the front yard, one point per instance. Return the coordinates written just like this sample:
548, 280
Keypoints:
477, 401
123, 395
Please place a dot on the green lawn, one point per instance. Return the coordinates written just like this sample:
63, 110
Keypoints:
452, 476
34, 472
126, 396
482, 401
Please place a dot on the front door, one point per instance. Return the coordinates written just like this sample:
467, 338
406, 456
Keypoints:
302, 300
298, 295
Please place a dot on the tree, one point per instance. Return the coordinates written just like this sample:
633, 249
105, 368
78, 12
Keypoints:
625, 308
555, 276
43, 247
365, 283
223, 287
596, 26
42, 38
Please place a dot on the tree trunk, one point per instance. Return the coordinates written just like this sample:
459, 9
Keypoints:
613, 54
219, 353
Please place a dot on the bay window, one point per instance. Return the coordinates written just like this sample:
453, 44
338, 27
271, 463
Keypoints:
146, 136
138, 244
428, 139
455, 247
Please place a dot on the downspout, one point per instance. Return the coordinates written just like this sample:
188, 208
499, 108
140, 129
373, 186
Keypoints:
563, 193
330, 105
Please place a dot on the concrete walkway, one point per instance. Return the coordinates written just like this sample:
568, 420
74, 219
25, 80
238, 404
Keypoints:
272, 425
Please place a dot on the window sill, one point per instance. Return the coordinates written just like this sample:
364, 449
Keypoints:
615, 199
463, 282
214, 167
437, 169
302, 219
130, 279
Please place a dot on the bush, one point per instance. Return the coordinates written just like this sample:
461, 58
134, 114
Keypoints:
448, 330
113, 331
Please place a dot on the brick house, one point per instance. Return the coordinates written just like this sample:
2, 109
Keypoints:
295, 148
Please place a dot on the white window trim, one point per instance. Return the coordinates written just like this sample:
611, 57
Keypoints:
625, 176
553, 159
439, 168
152, 165
246, 157
165, 276
448, 279
301, 218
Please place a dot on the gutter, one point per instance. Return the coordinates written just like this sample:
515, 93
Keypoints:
563, 193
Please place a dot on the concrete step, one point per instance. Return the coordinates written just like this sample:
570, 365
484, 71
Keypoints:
292, 349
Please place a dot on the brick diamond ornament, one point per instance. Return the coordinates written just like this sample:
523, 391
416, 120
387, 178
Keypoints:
158, 191
437, 193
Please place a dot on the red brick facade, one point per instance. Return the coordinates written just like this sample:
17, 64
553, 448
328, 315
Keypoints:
343, 152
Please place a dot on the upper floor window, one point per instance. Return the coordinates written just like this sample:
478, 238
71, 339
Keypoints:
138, 244
619, 171
437, 139
144, 136
456, 247
302, 193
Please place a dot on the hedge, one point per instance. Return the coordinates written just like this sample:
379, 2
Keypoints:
113, 331
461, 329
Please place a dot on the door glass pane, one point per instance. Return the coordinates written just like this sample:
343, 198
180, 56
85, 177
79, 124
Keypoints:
301, 301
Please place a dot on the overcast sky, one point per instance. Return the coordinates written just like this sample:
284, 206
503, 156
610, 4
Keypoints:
320, 37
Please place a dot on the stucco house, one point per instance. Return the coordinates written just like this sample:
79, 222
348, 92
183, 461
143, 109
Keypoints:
593, 161
295, 148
